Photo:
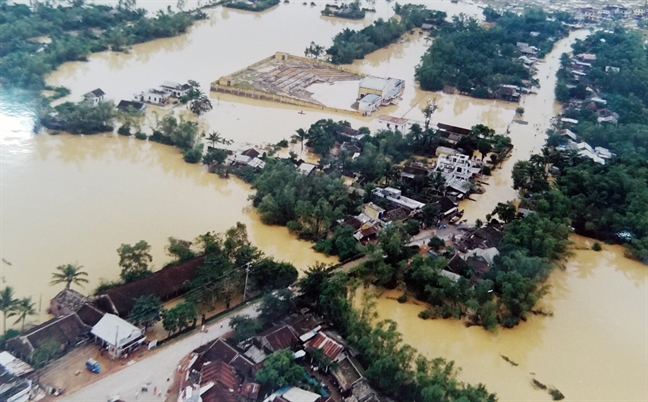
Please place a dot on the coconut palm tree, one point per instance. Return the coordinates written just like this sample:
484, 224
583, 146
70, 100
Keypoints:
217, 138
300, 136
69, 274
24, 307
7, 305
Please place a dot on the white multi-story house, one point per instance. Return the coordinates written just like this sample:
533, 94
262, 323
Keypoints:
456, 167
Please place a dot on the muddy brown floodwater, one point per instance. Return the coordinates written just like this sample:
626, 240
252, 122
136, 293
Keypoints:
594, 348
77, 198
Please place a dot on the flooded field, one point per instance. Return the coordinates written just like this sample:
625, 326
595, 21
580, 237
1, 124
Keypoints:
593, 348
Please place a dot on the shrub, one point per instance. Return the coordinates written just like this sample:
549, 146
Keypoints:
403, 298
426, 314
193, 155
597, 246
140, 135
283, 144
124, 130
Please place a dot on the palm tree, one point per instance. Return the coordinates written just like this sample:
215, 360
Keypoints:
216, 138
69, 274
7, 305
24, 307
300, 136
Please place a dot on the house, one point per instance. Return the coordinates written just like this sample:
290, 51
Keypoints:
447, 128
586, 57
458, 187
392, 123
306, 168
348, 373
118, 335
218, 371
13, 365
278, 338
395, 196
445, 151
369, 103
456, 167
250, 391
483, 237
66, 302
167, 283
447, 207
176, 90
568, 133
127, 105
153, 96
395, 215
368, 232
304, 326
13, 388
64, 330
294, 394
329, 347
486, 254
509, 93
94, 97
387, 88
221, 350
373, 211
415, 169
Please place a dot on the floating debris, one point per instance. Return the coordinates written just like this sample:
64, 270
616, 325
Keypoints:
6, 262
538, 384
556, 395
506, 359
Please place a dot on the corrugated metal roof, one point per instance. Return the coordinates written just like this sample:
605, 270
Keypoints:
330, 348
13, 365
283, 338
219, 372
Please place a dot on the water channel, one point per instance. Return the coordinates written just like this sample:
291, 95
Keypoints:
77, 198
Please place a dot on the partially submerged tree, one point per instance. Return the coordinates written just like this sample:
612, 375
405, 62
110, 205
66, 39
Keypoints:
7, 305
134, 261
69, 274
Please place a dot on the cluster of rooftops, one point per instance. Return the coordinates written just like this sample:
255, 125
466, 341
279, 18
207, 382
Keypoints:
224, 372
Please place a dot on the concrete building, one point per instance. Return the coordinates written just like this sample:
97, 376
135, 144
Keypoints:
392, 123
94, 97
176, 90
387, 88
369, 103
117, 335
456, 167
395, 196
153, 96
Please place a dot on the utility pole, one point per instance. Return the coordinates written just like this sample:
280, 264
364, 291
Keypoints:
247, 272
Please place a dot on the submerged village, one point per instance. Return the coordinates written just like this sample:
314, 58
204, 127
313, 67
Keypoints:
439, 202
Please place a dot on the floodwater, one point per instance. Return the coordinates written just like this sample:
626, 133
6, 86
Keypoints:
594, 348
69, 198
77, 198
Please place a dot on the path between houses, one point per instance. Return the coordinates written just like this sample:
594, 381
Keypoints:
154, 369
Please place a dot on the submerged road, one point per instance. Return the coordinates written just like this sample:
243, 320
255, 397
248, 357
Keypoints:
154, 369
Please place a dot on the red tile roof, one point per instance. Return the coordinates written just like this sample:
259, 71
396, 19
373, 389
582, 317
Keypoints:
330, 348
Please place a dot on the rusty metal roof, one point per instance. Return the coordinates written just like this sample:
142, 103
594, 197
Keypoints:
219, 372
250, 390
331, 348
282, 338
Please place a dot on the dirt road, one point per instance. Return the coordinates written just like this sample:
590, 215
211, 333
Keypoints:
153, 370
